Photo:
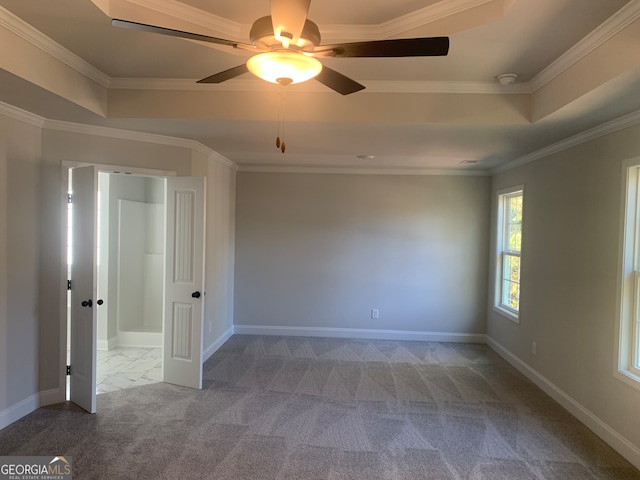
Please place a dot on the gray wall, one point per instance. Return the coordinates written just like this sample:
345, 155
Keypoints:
32, 264
20, 240
322, 250
570, 263
219, 250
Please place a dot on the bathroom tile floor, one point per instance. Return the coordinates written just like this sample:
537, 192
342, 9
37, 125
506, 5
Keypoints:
126, 367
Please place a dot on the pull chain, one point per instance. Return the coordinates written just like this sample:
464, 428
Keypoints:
281, 120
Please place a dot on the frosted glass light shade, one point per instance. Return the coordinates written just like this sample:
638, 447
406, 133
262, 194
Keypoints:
284, 67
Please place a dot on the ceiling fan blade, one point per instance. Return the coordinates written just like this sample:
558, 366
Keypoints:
226, 75
177, 33
289, 16
403, 47
338, 82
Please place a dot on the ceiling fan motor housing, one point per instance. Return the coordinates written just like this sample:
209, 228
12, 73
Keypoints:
262, 36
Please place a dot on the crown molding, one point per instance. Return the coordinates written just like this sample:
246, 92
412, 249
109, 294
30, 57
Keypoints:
21, 115
388, 29
121, 134
25, 31
70, 127
362, 171
426, 15
613, 126
605, 31
204, 19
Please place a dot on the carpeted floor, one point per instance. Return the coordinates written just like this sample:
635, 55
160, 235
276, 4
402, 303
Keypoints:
311, 408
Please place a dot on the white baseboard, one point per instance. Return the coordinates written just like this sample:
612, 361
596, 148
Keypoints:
105, 345
139, 339
52, 396
213, 348
360, 333
17, 411
619, 443
30, 404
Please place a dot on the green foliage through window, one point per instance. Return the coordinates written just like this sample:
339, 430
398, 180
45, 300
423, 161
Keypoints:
511, 245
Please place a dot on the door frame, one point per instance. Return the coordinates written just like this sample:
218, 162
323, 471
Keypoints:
64, 180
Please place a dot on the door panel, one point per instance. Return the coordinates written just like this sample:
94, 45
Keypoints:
184, 281
83, 324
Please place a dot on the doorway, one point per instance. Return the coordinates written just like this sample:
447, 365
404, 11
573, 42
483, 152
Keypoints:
181, 273
130, 215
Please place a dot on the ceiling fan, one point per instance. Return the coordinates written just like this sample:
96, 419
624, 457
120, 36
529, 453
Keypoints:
286, 44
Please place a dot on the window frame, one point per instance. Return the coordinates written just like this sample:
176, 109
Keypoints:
503, 196
627, 365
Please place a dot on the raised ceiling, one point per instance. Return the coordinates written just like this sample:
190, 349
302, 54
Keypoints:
577, 64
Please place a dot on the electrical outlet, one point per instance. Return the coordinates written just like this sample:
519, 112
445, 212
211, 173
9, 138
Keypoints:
375, 313
534, 348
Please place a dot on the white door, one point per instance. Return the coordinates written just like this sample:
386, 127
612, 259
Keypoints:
84, 186
184, 281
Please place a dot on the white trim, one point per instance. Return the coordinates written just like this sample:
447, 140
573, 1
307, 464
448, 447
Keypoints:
52, 396
362, 171
217, 343
106, 345
621, 444
196, 16
500, 251
18, 410
117, 133
627, 286
39, 40
140, 339
425, 16
360, 333
397, 26
504, 312
132, 135
605, 31
607, 128
616, 23
21, 115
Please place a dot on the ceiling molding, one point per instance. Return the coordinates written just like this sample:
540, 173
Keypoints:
21, 115
388, 29
605, 31
426, 15
613, 25
362, 171
613, 126
25, 31
121, 134
69, 127
187, 13
372, 86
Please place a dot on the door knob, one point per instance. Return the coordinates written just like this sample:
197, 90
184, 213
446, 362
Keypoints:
87, 303
100, 302
195, 294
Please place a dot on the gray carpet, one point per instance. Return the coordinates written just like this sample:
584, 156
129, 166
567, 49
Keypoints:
311, 408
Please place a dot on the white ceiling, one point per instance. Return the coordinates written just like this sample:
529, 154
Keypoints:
576, 60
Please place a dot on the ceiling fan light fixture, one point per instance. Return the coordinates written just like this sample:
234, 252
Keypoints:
284, 67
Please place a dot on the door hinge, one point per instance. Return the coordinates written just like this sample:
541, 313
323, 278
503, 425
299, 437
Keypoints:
68, 284
68, 369
69, 197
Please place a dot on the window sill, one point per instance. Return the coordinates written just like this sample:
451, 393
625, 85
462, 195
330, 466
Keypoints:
628, 377
506, 313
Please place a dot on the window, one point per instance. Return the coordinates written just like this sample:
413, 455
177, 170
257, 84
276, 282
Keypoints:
629, 312
508, 255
